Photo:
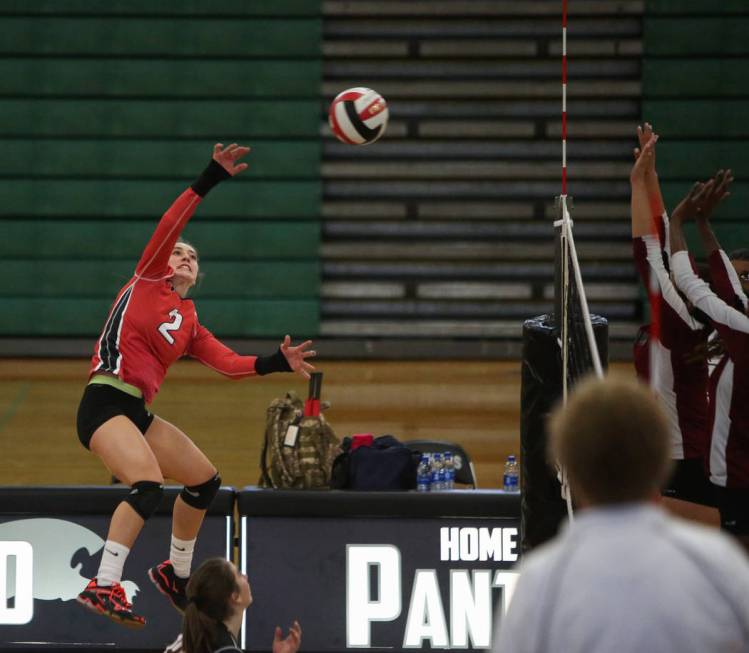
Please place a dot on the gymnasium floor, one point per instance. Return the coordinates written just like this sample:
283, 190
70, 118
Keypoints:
474, 403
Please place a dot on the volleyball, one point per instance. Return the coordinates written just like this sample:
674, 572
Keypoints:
358, 116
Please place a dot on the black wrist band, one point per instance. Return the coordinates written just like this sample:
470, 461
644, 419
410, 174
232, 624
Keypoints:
212, 175
275, 363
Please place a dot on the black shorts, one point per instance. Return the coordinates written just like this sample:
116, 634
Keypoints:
689, 482
103, 402
733, 504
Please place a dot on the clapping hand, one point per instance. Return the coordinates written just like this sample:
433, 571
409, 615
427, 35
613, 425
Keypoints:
296, 356
289, 644
228, 156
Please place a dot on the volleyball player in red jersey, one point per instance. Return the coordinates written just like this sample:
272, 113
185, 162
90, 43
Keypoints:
669, 362
726, 307
151, 325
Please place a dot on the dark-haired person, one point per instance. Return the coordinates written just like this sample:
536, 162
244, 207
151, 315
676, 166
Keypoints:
217, 597
625, 576
151, 324
739, 259
667, 360
726, 306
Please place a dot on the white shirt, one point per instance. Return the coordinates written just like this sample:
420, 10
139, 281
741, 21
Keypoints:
630, 579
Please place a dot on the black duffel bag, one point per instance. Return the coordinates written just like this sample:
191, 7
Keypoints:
386, 464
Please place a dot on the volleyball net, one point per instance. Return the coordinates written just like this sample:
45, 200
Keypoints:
577, 341
579, 354
558, 350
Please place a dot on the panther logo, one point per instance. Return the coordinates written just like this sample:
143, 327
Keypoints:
60, 550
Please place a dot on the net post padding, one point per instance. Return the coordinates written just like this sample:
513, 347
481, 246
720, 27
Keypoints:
542, 507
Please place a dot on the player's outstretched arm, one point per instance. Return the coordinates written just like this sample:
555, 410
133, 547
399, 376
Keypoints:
224, 163
657, 207
210, 351
642, 218
724, 279
717, 193
687, 209
648, 248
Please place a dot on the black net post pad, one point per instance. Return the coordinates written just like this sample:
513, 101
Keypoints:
542, 508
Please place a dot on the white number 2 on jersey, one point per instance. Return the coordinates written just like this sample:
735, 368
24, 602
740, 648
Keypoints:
166, 327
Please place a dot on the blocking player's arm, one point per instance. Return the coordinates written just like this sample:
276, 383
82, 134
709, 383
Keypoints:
732, 325
699, 204
716, 192
644, 167
154, 262
658, 223
648, 212
648, 247
655, 198
724, 279
687, 209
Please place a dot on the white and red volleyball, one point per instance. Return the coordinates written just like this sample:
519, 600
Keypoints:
358, 116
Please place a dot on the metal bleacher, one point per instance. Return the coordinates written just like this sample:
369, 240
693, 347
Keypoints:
443, 229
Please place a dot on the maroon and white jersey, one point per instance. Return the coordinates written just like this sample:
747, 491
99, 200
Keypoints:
725, 281
729, 401
150, 326
680, 381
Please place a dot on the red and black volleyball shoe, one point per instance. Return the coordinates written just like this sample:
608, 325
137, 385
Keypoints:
110, 601
169, 584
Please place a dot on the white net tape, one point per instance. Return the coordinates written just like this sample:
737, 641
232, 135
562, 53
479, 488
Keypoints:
571, 268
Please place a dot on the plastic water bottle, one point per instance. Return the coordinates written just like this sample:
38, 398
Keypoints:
424, 474
438, 473
511, 479
449, 471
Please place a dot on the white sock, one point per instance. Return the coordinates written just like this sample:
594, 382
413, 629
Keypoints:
180, 555
112, 561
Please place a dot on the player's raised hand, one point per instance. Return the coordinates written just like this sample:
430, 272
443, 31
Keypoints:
644, 134
290, 643
716, 194
296, 356
228, 156
691, 206
645, 158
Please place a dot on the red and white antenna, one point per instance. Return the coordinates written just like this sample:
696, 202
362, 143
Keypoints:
564, 98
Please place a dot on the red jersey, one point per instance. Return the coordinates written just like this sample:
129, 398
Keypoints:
680, 382
729, 401
150, 326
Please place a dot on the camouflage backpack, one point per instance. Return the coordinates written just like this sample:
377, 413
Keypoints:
298, 451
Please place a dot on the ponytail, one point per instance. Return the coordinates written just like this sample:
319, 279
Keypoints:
208, 594
197, 630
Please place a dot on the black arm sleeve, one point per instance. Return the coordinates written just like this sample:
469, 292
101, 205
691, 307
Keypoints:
212, 175
275, 363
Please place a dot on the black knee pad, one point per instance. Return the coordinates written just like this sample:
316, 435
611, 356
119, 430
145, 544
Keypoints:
145, 497
201, 496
